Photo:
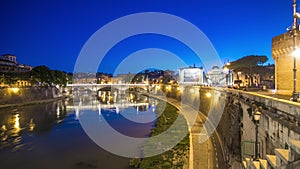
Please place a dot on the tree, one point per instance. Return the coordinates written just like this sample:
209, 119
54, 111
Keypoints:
60, 77
12, 77
249, 65
70, 78
42, 75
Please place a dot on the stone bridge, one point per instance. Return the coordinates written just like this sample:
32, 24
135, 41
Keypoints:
96, 87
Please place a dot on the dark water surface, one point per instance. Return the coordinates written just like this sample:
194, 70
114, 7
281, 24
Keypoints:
49, 136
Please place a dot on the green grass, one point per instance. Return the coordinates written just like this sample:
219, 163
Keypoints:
176, 156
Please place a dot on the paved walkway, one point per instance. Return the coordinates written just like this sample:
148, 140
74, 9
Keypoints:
267, 93
207, 155
278, 96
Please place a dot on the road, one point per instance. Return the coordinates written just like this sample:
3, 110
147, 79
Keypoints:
207, 155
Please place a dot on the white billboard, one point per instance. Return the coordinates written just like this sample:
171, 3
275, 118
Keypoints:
191, 75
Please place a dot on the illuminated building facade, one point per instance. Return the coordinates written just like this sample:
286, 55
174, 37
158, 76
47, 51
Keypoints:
282, 49
216, 77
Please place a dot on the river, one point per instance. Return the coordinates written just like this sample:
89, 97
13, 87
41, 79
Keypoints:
50, 135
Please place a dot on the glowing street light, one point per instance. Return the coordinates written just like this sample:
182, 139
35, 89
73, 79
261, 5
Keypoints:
225, 69
296, 53
208, 94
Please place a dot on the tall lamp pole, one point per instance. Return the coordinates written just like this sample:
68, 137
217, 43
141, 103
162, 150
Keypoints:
294, 34
256, 117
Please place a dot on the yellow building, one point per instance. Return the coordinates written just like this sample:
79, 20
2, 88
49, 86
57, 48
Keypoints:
22, 83
282, 49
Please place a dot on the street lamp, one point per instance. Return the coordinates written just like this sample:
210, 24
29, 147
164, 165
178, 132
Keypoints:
256, 117
294, 35
208, 95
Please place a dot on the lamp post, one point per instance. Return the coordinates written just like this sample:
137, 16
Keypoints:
225, 71
228, 74
256, 117
294, 35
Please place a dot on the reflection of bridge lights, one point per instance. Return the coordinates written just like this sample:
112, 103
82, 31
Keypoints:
77, 114
153, 109
57, 112
99, 109
31, 125
208, 95
17, 123
117, 110
3, 128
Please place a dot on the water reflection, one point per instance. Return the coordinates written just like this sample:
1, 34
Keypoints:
128, 114
42, 135
31, 125
17, 123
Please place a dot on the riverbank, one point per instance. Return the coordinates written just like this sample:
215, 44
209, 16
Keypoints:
177, 157
15, 96
32, 102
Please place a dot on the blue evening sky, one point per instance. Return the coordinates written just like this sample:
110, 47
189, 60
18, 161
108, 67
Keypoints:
52, 32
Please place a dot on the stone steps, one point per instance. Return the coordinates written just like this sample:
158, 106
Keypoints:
280, 160
272, 160
263, 164
282, 157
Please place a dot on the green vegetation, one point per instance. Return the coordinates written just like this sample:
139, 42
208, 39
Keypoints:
12, 77
40, 75
44, 76
177, 156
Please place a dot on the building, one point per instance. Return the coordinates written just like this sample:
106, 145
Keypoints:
84, 78
9, 66
268, 78
242, 79
191, 75
282, 49
8, 63
217, 77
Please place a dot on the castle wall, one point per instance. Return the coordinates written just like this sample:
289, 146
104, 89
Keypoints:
282, 48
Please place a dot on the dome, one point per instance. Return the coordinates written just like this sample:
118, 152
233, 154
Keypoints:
215, 67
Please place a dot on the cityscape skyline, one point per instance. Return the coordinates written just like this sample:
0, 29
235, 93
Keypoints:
150, 84
53, 33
